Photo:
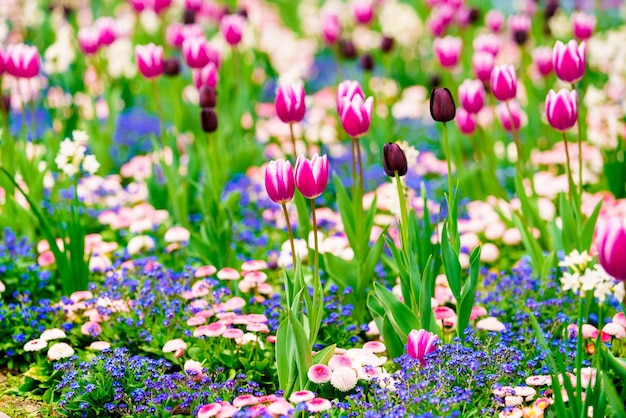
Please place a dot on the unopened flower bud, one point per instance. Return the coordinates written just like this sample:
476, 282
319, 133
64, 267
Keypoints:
207, 97
394, 160
367, 62
171, 67
442, 107
386, 45
347, 49
189, 17
208, 119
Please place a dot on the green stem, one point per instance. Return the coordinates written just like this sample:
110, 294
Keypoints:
293, 143
33, 122
290, 231
580, 151
157, 101
316, 262
570, 179
449, 163
354, 180
518, 145
360, 163
404, 226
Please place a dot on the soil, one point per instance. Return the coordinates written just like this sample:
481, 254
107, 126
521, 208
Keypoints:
18, 407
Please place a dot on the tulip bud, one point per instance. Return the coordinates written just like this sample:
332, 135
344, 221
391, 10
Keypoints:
442, 107
387, 43
356, 115
394, 160
448, 50
331, 28
207, 97
519, 26
208, 119
482, 64
290, 103
494, 19
171, 67
611, 244
465, 121
6, 103
279, 181
562, 109
150, 60
504, 82
569, 61
542, 57
472, 95
347, 49
421, 343
583, 25
367, 62
311, 176
189, 16
232, 28
505, 118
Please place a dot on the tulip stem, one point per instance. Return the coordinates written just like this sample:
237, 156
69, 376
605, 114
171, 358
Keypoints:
316, 262
293, 142
354, 181
570, 179
449, 163
518, 145
580, 150
404, 227
290, 232
157, 102
360, 163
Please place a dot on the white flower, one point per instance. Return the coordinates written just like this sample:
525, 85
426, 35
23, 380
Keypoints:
90, 164
576, 261
2, 287
52, 334
59, 351
72, 155
570, 282
35, 345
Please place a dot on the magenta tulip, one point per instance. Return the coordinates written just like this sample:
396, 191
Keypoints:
311, 175
196, 51
107, 29
542, 57
279, 181
482, 64
569, 61
465, 121
504, 82
472, 95
331, 28
89, 40
2, 61
349, 89
22, 61
232, 28
487, 43
363, 11
583, 25
494, 20
289, 103
356, 115
421, 343
611, 246
448, 50
505, 118
150, 60
160, 5
206, 76
562, 109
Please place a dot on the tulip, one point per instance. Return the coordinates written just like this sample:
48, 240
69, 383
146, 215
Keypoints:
331, 28
196, 52
150, 60
208, 119
347, 49
207, 97
562, 109
22, 61
289, 103
232, 28
206, 76
363, 11
175, 34
542, 57
505, 118
356, 115
107, 30
569, 61
279, 181
349, 89
448, 50
442, 107
421, 343
394, 160
160, 5
386, 44
494, 19
487, 43
504, 82
519, 26
611, 245
465, 121
171, 66
89, 40
140, 5
482, 64
311, 176
583, 25
2, 61
472, 95
367, 62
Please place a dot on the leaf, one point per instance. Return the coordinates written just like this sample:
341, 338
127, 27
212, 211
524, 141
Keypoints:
324, 355
303, 349
393, 342
618, 365
342, 272
283, 354
549, 263
530, 243
344, 205
451, 264
304, 225
569, 231
589, 227
469, 293
400, 316
612, 396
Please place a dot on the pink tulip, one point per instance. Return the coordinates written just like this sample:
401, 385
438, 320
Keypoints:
465, 121
331, 28
363, 11
160, 5
175, 35
356, 115
504, 82
149, 60
482, 64
89, 40
436, 23
472, 95
194, 5
206, 76
448, 50
311, 176
611, 244
542, 56
140, 5
487, 43
505, 118
2, 61
106, 27
348, 89
494, 19
232, 28
22, 61
196, 52
519, 23
583, 25
290, 106
569, 61
562, 109
421, 343
279, 181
